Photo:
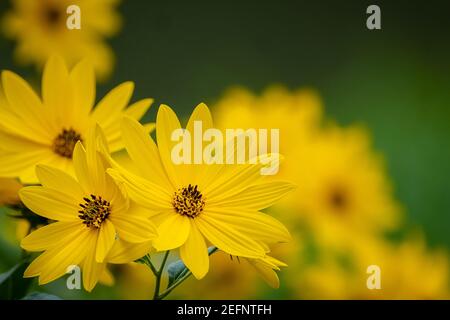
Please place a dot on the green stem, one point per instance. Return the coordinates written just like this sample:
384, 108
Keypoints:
173, 286
158, 275
148, 262
185, 275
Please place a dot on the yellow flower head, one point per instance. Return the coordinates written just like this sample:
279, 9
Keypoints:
45, 131
40, 29
344, 188
95, 222
199, 204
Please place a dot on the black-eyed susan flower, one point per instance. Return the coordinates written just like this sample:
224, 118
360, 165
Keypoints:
40, 30
45, 131
199, 204
94, 220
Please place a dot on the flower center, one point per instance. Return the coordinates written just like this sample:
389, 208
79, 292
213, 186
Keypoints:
51, 15
188, 201
65, 142
338, 199
94, 211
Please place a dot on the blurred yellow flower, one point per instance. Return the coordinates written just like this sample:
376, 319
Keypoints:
344, 188
408, 270
40, 29
95, 223
35, 131
219, 203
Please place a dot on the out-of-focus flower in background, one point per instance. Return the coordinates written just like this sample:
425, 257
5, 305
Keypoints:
39, 29
343, 187
343, 206
409, 270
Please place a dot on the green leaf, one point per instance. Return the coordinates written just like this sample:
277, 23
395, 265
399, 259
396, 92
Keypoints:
41, 296
176, 270
12, 283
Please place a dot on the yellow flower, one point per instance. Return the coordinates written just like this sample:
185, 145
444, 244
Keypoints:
40, 29
95, 222
35, 131
344, 188
407, 271
219, 203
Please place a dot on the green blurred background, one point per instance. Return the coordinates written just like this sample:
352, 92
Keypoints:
395, 80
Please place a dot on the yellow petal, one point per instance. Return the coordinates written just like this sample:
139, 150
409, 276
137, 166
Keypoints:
125, 252
138, 189
105, 241
57, 92
267, 273
228, 239
233, 181
49, 236
166, 123
60, 181
256, 225
133, 228
143, 151
112, 104
14, 164
255, 197
92, 270
82, 78
194, 253
26, 104
58, 259
81, 168
106, 278
138, 109
49, 203
13, 142
201, 113
172, 233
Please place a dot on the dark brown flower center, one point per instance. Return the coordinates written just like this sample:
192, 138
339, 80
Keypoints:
188, 201
94, 211
52, 15
65, 142
338, 199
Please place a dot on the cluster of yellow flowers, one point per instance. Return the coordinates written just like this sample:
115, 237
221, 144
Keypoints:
103, 211
343, 205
